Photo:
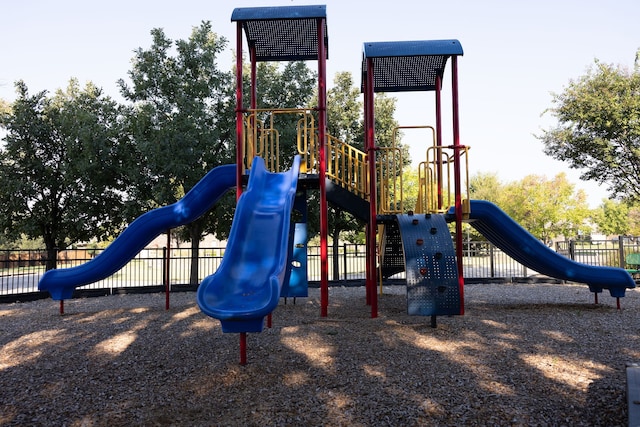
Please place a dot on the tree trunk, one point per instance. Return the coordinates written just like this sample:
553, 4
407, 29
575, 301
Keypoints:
52, 258
52, 253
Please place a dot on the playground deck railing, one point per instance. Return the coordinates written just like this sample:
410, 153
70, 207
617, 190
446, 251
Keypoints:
20, 270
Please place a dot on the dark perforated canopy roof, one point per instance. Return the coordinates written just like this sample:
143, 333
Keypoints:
287, 33
408, 65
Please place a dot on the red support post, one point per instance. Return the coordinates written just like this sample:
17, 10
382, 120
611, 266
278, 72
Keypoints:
61, 307
322, 128
239, 108
370, 144
457, 176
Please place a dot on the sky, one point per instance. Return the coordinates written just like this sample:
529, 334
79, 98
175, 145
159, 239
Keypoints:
516, 55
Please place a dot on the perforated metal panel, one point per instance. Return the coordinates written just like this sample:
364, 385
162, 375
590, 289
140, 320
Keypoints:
432, 274
408, 65
392, 253
287, 33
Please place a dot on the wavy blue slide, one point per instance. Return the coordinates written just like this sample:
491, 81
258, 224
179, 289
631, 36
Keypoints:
61, 282
246, 287
522, 246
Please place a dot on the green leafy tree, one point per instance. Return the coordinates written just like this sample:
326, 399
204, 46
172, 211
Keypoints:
634, 220
289, 85
612, 217
182, 122
598, 130
485, 186
547, 208
64, 167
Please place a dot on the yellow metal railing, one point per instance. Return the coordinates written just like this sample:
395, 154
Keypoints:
347, 165
436, 190
261, 138
390, 187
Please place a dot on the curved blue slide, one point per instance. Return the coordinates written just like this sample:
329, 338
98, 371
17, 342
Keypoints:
62, 282
246, 286
493, 223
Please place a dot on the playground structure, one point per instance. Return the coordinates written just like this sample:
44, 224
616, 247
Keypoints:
266, 258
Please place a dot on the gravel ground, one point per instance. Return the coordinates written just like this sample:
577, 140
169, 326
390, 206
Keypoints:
522, 355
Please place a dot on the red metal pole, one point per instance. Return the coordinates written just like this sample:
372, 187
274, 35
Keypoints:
243, 348
371, 159
322, 128
239, 107
367, 282
61, 307
458, 184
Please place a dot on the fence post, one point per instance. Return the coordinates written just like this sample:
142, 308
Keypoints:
572, 249
492, 264
621, 251
344, 258
164, 266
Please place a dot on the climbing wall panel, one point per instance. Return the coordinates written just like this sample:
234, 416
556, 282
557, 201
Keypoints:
431, 269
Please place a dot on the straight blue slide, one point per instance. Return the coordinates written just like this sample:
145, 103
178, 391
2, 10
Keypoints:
494, 224
62, 282
246, 286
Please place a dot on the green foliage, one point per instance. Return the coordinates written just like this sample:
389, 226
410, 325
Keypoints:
181, 118
410, 187
612, 218
486, 186
282, 85
344, 110
598, 128
64, 166
546, 208
182, 122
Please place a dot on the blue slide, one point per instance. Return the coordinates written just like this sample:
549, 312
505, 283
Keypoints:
246, 287
62, 282
494, 224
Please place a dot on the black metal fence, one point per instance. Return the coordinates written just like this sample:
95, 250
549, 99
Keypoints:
20, 270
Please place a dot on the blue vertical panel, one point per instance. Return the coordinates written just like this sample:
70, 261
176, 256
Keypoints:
431, 268
298, 285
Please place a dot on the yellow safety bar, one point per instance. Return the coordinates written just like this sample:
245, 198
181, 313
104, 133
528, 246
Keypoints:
436, 196
347, 165
261, 138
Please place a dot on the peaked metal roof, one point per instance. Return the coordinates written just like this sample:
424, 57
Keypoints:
288, 33
408, 65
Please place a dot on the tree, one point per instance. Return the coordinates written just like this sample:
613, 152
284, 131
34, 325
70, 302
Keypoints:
182, 122
612, 217
289, 85
64, 167
598, 128
547, 208
486, 186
